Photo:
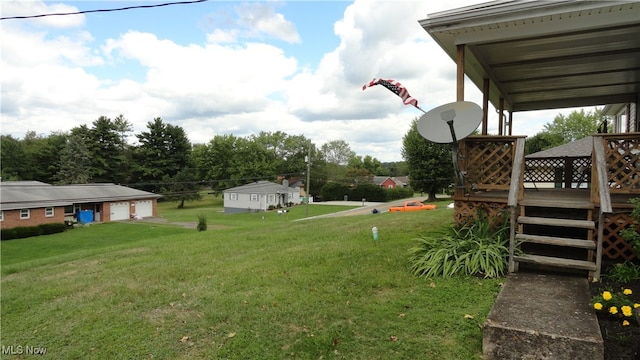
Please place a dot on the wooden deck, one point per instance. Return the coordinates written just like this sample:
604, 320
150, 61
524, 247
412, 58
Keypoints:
565, 198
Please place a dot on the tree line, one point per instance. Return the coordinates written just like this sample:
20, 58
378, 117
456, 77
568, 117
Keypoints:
163, 160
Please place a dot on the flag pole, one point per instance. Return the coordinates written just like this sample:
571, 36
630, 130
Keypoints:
419, 108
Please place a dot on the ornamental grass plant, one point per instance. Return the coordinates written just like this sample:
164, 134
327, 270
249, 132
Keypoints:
475, 248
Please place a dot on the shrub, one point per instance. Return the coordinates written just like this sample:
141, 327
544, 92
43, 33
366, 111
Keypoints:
368, 191
7, 234
398, 193
333, 191
475, 249
202, 223
27, 231
22, 232
53, 228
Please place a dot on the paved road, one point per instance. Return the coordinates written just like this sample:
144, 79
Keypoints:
364, 208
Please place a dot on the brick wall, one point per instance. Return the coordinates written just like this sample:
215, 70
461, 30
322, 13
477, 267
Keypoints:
11, 218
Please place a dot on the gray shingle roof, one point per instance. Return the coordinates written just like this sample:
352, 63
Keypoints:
577, 148
259, 187
29, 195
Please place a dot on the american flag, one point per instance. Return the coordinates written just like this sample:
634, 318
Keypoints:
396, 88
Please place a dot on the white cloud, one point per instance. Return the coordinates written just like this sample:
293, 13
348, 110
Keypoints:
226, 85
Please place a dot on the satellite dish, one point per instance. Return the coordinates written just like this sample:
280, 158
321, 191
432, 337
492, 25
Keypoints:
450, 122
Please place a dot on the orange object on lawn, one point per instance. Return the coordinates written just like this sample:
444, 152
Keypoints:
412, 205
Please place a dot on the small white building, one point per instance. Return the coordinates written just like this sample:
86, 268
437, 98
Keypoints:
260, 196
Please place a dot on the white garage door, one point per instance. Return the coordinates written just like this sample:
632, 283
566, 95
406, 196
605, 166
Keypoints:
144, 208
119, 211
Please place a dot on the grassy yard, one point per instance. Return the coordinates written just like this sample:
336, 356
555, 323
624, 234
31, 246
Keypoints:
247, 288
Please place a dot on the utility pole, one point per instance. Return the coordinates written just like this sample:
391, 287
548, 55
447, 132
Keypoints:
308, 161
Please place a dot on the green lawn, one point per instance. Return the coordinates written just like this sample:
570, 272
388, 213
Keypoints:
247, 288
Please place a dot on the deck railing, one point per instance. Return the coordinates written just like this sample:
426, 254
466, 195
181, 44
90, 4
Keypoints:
487, 161
621, 154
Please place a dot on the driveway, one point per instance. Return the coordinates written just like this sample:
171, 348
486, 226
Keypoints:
364, 207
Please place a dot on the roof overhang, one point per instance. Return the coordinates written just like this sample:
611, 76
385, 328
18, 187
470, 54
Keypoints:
546, 54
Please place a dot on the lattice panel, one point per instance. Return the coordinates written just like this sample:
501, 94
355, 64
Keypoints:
552, 170
613, 245
467, 211
543, 170
489, 163
623, 163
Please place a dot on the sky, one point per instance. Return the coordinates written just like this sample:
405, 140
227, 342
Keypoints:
231, 67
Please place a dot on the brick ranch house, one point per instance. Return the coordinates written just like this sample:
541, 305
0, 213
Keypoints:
32, 203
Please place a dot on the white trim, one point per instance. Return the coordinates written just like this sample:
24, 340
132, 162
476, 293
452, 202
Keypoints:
26, 216
49, 211
1, 215
233, 196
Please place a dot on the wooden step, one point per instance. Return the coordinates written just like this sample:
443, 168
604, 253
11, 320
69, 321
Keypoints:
558, 241
553, 261
555, 203
583, 224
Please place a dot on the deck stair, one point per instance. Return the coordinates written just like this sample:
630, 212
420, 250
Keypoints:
556, 234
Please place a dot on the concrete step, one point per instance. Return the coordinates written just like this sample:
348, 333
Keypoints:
539, 316
557, 241
554, 261
582, 224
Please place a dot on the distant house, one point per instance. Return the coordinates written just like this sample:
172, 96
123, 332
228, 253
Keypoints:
388, 182
260, 196
31, 203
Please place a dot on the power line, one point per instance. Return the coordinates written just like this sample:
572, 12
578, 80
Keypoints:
102, 10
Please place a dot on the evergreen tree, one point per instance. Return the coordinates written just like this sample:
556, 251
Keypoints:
75, 162
12, 157
164, 151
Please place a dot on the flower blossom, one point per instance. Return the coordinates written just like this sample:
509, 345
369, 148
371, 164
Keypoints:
626, 311
597, 306
606, 295
613, 310
636, 305
625, 323
627, 291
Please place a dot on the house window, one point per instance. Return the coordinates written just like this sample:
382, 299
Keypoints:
1, 215
254, 197
25, 214
48, 212
233, 196
272, 198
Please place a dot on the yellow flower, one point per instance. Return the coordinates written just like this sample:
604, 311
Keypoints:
626, 311
627, 291
636, 305
625, 323
613, 310
597, 306
606, 295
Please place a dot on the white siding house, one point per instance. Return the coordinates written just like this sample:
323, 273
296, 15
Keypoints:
259, 196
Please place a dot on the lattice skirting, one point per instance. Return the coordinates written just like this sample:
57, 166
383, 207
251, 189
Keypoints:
467, 211
613, 245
